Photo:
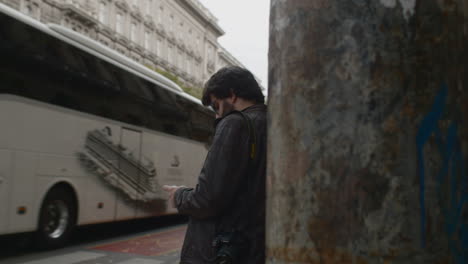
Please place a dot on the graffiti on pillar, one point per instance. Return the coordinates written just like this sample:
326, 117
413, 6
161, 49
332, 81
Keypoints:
452, 180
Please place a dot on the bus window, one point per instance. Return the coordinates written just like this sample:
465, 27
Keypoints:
64, 100
141, 88
102, 70
127, 82
147, 90
98, 73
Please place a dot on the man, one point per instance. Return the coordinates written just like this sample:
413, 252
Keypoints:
229, 197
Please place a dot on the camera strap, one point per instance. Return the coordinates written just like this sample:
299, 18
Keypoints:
252, 145
236, 236
252, 139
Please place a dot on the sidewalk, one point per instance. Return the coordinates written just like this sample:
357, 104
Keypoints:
161, 244
155, 247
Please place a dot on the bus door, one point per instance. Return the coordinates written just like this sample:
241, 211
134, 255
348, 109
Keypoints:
129, 174
5, 179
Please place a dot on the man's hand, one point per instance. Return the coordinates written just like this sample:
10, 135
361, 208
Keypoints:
171, 189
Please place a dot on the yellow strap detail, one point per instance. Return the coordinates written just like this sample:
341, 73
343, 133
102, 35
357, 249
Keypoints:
252, 151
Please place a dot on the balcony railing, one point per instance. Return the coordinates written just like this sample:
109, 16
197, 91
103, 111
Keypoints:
84, 5
81, 10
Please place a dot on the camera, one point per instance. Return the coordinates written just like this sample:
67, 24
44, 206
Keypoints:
228, 246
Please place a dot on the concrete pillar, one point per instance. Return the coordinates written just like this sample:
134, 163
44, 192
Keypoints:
368, 132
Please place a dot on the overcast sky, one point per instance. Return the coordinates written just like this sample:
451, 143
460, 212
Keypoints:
246, 25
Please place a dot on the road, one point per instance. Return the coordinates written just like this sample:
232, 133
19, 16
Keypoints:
155, 241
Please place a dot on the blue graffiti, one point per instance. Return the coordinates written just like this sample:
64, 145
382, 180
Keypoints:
452, 180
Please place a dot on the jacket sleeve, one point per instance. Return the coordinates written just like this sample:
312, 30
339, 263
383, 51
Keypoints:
223, 172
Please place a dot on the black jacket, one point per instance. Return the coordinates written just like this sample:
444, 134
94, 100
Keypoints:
221, 200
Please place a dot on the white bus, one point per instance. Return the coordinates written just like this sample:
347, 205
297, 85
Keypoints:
87, 136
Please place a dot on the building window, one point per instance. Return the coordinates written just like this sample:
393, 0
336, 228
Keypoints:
133, 32
187, 65
181, 30
161, 14
147, 6
181, 60
158, 47
209, 54
171, 23
118, 23
169, 54
177, 58
166, 54
38, 11
200, 70
27, 8
147, 40
103, 12
213, 54
197, 43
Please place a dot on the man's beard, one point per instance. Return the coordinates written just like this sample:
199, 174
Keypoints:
227, 108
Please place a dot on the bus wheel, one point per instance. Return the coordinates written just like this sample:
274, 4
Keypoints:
57, 219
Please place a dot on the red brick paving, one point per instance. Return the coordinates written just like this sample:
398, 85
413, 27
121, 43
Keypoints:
156, 244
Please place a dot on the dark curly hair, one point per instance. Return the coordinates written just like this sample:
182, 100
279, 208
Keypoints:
232, 80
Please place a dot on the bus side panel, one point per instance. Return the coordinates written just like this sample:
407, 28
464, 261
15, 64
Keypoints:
96, 198
175, 164
99, 196
61, 138
5, 182
112, 173
155, 149
131, 140
194, 162
23, 211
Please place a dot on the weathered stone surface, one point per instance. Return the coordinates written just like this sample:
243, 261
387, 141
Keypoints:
368, 133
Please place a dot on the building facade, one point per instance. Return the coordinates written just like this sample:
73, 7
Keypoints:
178, 37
